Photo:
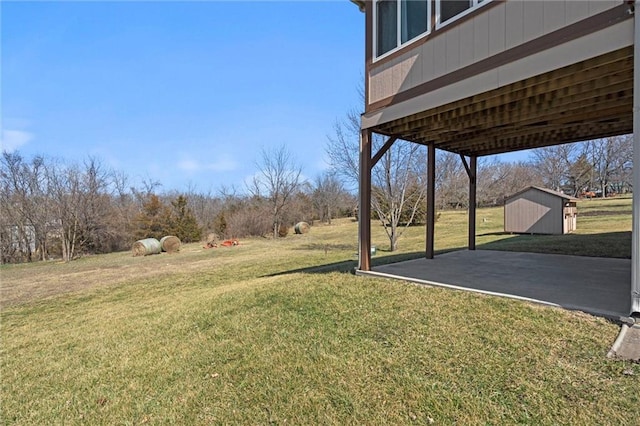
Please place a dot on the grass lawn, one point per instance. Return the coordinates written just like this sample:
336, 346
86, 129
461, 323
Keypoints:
279, 332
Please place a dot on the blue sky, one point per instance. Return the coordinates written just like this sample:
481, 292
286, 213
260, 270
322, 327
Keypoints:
185, 93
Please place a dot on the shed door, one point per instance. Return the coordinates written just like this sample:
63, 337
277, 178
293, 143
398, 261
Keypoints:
569, 221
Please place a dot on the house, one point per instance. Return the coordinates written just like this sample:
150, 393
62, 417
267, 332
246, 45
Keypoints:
536, 210
484, 77
17, 241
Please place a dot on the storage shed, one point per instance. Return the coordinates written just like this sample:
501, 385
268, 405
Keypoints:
536, 210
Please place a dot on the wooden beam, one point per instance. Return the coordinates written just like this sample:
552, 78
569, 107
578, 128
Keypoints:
383, 150
532, 138
431, 200
616, 60
466, 165
576, 89
364, 208
526, 118
635, 234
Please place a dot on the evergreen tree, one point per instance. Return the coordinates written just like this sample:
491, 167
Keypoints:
182, 221
152, 220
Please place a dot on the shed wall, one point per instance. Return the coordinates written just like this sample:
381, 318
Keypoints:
534, 212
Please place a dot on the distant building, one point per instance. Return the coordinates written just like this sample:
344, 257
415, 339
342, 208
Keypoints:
17, 240
537, 210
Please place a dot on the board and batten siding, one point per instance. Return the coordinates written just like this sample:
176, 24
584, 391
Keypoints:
534, 212
490, 30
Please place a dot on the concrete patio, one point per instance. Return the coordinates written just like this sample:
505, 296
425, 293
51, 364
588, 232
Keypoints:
598, 286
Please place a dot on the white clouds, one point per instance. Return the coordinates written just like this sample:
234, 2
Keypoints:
11, 140
222, 163
189, 165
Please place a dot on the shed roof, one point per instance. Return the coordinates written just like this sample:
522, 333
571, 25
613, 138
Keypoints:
548, 191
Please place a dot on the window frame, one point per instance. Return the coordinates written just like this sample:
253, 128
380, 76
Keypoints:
399, 43
475, 5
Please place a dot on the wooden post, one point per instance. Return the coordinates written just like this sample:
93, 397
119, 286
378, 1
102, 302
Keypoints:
473, 166
364, 208
431, 199
635, 233
471, 169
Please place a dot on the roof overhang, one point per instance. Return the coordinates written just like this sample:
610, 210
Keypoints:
360, 4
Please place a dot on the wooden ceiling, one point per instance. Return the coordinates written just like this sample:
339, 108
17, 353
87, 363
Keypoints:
587, 100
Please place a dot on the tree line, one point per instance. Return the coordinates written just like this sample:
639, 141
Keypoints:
53, 209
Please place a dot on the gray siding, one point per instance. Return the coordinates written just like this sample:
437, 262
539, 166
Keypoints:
534, 212
491, 30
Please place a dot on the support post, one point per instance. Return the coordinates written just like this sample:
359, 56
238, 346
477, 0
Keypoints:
635, 233
364, 208
431, 199
473, 166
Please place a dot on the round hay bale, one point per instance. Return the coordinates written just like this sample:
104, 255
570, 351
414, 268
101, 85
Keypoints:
146, 247
170, 244
301, 228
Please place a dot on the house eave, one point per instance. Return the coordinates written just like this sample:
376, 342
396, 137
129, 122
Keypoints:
360, 4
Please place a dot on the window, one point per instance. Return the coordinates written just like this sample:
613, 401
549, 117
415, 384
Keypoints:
387, 26
398, 22
449, 10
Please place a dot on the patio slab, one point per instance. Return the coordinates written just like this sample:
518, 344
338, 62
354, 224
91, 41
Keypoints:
595, 285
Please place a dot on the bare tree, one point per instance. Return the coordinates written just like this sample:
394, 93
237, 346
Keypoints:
578, 174
277, 180
553, 163
23, 207
123, 211
498, 179
205, 207
610, 159
64, 191
326, 195
343, 149
452, 183
622, 177
397, 181
80, 205
399, 188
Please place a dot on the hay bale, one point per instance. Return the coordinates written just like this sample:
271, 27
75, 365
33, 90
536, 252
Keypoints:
170, 244
301, 228
146, 247
212, 238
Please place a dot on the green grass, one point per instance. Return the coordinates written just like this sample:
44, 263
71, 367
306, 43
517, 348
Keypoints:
233, 336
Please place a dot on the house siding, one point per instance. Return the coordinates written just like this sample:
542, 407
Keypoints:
490, 31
